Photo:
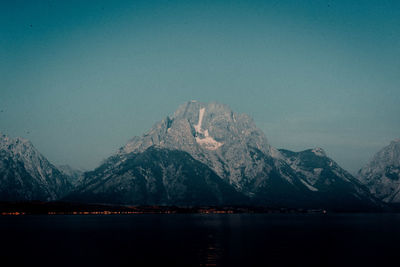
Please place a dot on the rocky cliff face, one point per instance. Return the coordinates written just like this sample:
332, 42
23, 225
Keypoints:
26, 175
382, 174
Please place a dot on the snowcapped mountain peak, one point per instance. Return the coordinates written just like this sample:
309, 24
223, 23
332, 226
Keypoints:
197, 126
211, 133
192, 110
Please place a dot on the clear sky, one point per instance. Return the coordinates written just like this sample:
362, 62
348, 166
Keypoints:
80, 78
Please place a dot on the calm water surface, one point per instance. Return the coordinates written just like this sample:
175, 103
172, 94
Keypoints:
200, 240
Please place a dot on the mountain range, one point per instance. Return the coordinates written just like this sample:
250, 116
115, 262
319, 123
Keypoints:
203, 154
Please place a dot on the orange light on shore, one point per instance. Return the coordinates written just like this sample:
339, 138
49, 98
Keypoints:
135, 211
13, 213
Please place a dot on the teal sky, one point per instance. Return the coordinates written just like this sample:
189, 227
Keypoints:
80, 78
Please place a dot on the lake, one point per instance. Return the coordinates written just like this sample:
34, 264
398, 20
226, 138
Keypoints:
200, 240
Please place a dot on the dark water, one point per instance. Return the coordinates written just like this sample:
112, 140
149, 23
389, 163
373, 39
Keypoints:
200, 240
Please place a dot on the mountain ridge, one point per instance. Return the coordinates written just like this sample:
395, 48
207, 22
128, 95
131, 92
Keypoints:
232, 146
26, 174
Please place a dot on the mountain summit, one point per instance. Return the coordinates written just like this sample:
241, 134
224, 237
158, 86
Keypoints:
382, 174
214, 135
25, 174
206, 147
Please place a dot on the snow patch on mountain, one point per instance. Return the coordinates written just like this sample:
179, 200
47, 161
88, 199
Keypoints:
312, 188
203, 137
197, 127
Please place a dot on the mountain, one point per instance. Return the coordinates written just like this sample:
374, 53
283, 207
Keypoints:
72, 174
331, 185
212, 139
382, 174
155, 177
25, 174
211, 133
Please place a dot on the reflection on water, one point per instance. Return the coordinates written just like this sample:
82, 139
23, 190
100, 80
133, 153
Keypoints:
209, 249
209, 255
200, 240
